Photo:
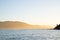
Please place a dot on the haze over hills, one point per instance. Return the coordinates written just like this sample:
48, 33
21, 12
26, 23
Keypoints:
21, 25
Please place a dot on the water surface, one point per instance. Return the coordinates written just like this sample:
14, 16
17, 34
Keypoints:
29, 34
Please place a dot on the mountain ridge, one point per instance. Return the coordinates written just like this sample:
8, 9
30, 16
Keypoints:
20, 25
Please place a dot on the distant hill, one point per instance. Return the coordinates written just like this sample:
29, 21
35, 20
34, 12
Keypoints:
20, 25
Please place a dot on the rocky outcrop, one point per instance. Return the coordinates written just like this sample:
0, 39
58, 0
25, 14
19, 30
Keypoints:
57, 27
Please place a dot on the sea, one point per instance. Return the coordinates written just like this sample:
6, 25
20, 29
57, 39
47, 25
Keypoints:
30, 34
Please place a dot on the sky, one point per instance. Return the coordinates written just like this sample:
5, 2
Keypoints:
39, 12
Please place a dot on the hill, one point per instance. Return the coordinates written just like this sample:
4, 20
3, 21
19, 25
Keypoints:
21, 25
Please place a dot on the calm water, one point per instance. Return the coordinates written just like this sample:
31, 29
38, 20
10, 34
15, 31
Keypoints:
29, 34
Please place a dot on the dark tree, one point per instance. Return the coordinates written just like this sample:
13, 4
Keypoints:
57, 27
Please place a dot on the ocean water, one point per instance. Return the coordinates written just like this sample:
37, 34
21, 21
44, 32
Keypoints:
29, 34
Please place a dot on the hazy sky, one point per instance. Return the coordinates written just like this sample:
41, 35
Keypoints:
45, 12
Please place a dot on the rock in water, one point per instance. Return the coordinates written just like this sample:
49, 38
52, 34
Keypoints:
57, 27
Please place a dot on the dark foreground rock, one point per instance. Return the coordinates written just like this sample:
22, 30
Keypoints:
57, 27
